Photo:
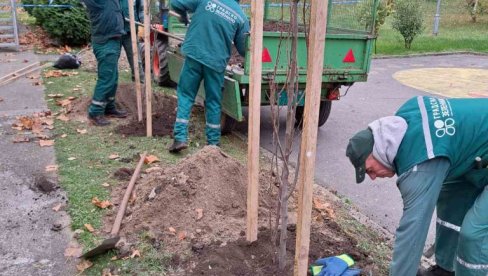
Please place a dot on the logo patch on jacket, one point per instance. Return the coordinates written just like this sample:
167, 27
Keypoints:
223, 11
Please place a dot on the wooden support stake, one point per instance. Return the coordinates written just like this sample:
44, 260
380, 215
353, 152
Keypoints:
17, 72
257, 13
25, 72
318, 26
135, 53
147, 52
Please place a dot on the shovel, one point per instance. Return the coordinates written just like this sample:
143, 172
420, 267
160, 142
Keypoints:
110, 243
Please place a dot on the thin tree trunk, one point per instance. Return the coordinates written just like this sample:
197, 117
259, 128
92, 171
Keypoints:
291, 90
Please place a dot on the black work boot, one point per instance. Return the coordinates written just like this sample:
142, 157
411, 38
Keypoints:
98, 120
116, 113
434, 270
177, 146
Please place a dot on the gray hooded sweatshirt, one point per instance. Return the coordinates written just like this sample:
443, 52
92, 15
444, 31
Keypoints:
388, 134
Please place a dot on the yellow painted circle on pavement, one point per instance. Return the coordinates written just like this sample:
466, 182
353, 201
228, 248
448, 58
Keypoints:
448, 82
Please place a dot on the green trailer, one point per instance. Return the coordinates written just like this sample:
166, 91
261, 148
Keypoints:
347, 57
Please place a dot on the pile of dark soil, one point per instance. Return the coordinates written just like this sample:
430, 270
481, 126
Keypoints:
196, 210
163, 110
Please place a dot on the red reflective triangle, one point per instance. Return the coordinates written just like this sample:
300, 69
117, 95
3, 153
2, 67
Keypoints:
266, 55
349, 57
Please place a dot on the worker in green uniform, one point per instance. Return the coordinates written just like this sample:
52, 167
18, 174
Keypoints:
126, 40
215, 25
438, 148
107, 27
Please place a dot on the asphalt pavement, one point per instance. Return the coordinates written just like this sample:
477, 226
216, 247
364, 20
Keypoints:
33, 237
390, 83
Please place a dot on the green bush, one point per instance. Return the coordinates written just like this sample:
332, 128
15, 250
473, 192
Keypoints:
408, 20
69, 26
28, 9
476, 7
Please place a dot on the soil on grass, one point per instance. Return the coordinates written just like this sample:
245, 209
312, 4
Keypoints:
163, 110
196, 210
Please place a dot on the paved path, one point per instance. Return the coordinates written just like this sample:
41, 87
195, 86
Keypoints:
28, 245
391, 82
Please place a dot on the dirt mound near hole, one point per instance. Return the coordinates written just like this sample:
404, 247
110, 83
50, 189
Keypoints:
196, 210
163, 110
201, 200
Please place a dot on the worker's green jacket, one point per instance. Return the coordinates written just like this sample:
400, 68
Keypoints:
138, 12
453, 128
434, 162
106, 19
215, 25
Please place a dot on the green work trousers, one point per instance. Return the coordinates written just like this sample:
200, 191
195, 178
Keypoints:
462, 223
192, 74
420, 187
107, 55
126, 42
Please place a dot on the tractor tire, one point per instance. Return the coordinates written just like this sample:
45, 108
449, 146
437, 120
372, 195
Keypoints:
160, 68
324, 112
227, 124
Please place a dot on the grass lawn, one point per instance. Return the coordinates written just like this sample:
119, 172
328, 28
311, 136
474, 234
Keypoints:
84, 166
456, 33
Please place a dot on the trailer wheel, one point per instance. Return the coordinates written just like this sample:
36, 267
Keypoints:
160, 68
324, 112
227, 124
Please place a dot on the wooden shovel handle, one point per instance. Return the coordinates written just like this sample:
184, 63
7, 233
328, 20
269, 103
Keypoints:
123, 205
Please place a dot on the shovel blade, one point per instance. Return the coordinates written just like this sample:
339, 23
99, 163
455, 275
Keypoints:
102, 248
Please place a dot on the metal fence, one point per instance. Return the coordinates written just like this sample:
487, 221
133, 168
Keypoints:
350, 16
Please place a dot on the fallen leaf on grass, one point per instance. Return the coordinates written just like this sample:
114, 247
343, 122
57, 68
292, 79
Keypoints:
101, 204
323, 206
71, 158
89, 227
59, 73
181, 235
81, 131
114, 258
21, 139
54, 95
150, 159
153, 169
63, 118
71, 98
16, 127
47, 121
64, 102
46, 143
172, 230
76, 89
57, 207
51, 168
135, 253
199, 214
74, 252
83, 265
113, 156
105, 184
64, 135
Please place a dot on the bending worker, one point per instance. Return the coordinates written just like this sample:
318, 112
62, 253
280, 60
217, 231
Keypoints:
215, 25
107, 27
434, 146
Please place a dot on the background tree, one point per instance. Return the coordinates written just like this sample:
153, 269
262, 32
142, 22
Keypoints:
408, 20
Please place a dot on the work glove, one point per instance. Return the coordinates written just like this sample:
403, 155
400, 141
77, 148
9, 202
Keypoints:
334, 266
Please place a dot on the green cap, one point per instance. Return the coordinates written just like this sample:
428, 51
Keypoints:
359, 148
